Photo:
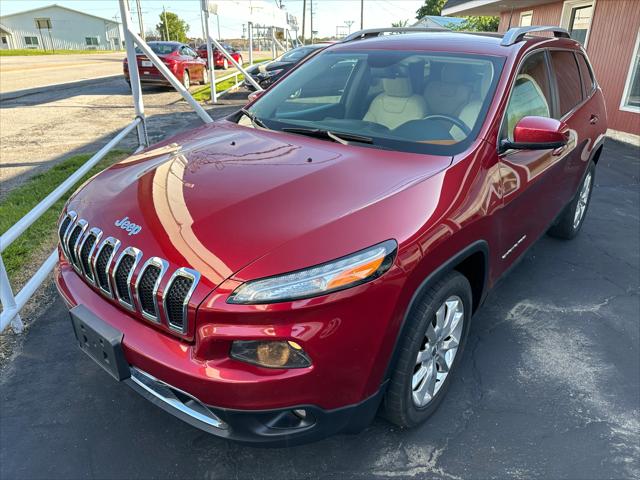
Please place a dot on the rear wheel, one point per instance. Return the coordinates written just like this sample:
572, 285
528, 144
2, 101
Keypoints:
225, 64
240, 61
430, 351
570, 221
205, 76
186, 80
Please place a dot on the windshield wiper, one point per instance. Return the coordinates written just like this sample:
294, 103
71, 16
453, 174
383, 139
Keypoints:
340, 137
256, 122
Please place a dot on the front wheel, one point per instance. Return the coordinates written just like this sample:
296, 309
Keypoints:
205, 77
434, 338
571, 219
225, 64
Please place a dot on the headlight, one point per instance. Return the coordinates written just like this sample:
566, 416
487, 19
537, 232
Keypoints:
345, 272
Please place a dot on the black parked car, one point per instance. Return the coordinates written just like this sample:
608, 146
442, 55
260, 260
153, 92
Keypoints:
268, 72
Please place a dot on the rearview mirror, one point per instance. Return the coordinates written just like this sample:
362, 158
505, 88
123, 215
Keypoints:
537, 133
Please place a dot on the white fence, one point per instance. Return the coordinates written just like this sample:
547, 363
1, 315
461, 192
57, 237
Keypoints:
12, 304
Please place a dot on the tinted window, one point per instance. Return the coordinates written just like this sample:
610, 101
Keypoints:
531, 94
567, 78
160, 48
585, 74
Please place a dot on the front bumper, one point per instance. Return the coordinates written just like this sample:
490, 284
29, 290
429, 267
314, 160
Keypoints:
278, 427
340, 391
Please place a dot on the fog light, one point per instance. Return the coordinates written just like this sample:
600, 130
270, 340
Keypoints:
271, 354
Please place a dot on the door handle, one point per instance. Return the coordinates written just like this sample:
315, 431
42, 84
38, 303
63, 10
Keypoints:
594, 119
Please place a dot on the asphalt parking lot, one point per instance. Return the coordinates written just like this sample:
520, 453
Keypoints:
548, 388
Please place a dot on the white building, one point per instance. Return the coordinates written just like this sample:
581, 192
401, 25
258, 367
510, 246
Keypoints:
59, 28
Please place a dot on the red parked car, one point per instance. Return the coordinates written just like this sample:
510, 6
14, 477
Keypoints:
285, 273
220, 60
184, 63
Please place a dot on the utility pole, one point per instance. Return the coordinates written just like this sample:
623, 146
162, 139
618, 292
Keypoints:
218, 21
361, 14
304, 16
311, 15
140, 19
348, 23
166, 27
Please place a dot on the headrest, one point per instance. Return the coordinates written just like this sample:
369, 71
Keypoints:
397, 87
453, 73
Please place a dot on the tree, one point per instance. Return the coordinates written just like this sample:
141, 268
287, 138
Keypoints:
430, 7
400, 23
479, 24
175, 26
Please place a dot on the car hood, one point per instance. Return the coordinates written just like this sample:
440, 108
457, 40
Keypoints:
267, 67
221, 196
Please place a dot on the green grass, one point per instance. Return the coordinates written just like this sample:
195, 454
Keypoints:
21, 254
38, 51
204, 93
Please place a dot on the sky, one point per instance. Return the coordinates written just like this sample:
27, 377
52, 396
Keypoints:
327, 13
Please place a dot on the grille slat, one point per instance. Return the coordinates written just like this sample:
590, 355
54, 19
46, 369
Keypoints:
122, 277
63, 228
85, 251
176, 298
73, 238
146, 289
102, 262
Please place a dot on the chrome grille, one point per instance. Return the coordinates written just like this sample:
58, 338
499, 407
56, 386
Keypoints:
123, 274
102, 262
147, 286
86, 250
94, 259
72, 242
177, 295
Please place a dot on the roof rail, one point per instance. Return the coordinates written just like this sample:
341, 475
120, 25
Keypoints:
375, 32
514, 35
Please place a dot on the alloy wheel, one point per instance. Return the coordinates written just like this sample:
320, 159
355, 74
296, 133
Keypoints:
583, 200
438, 351
186, 82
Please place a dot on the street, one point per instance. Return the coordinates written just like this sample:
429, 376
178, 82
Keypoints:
548, 386
42, 129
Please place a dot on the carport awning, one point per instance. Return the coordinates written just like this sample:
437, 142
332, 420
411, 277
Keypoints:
488, 7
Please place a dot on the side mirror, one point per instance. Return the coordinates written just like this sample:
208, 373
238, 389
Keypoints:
253, 96
537, 133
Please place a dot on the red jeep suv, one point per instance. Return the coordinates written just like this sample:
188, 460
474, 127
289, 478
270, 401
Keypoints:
289, 271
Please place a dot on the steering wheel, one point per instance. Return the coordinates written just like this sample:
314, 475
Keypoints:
456, 121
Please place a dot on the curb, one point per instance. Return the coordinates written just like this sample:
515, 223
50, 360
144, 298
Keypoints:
55, 87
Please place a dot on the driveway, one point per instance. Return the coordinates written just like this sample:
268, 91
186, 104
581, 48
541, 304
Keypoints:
24, 72
548, 386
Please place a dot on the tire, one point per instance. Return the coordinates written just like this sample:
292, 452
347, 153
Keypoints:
205, 77
240, 61
186, 80
571, 219
400, 404
225, 64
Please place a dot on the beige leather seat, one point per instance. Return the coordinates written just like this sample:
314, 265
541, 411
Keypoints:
448, 95
396, 104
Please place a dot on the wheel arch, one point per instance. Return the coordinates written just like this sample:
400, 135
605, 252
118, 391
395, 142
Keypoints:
473, 263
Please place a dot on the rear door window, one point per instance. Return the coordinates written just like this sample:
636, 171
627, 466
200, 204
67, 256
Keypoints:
567, 78
531, 94
586, 76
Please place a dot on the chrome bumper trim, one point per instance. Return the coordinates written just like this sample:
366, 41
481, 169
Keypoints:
175, 401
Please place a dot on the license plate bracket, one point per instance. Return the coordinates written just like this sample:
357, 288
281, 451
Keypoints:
100, 341
147, 63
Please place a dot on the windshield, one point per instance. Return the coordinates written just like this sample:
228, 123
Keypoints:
296, 54
160, 48
408, 101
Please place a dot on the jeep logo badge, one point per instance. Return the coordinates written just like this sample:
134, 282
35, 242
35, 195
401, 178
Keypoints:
128, 226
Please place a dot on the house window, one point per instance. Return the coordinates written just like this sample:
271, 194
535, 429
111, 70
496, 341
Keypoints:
631, 94
91, 41
576, 18
43, 23
4, 41
31, 41
526, 18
